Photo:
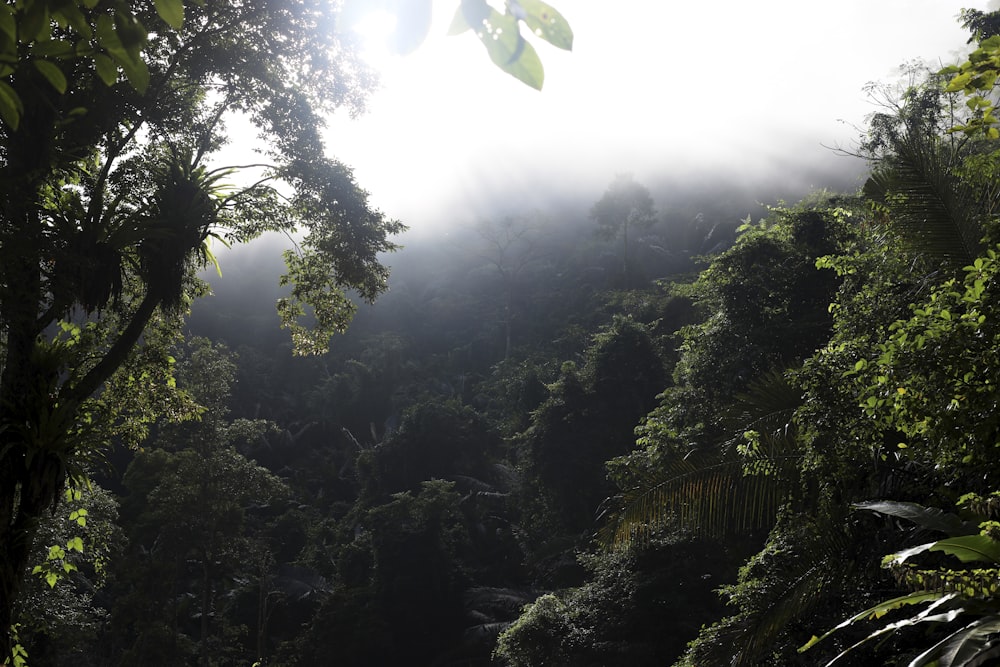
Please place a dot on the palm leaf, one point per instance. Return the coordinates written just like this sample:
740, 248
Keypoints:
711, 501
726, 491
934, 212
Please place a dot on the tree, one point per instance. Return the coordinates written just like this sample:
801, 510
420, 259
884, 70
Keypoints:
510, 246
190, 536
625, 204
106, 203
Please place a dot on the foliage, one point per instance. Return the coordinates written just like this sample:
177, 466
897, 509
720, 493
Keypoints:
62, 613
398, 593
587, 419
942, 594
625, 204
108, 200
193, 542
638, 607
734, 491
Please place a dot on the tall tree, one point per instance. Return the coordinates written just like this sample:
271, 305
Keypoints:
626, 204
106, 203
510, 246
190, 539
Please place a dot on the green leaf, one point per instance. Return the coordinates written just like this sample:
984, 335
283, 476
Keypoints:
54, 48
970, 548
509, 51
961, 647
131, 33
53, 74
135, 70
931, 518
8, 26
171, 11
51, 578
35, 22
547, 23
71, 15
106, 69
959, 82
526, 66
75, 544
476, 13
10, 106
458, 23
878, 611
900, 557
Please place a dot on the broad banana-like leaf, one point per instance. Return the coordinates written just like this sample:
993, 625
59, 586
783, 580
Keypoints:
900, 557
931, 518
970, 548
959, 648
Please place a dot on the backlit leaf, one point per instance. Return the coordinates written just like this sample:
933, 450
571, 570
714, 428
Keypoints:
546, 22
931, 518
52, 74
8, 27
106, 69
970, 548
171, 11
10, 106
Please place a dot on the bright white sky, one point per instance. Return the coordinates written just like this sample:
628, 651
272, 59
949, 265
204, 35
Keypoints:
651, 87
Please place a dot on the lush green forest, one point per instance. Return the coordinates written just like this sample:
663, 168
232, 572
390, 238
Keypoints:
688, 430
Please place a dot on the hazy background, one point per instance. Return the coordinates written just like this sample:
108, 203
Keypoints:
723, 92
717, 108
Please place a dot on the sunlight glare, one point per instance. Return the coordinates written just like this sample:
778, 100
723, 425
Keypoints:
376, 30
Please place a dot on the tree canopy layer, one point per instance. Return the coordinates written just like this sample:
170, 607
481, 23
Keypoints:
112, 113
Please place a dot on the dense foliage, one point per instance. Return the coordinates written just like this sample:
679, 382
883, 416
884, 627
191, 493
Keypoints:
684, 437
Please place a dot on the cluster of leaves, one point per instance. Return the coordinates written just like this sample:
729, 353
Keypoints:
50, 36
944, 595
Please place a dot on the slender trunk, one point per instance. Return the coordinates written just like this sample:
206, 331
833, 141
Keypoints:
625, 253
206, 606
508, 316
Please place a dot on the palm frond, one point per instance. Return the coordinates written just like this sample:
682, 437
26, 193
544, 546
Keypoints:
934, 212
736, 489
711, 501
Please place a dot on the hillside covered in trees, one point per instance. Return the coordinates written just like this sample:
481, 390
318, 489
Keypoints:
677, 428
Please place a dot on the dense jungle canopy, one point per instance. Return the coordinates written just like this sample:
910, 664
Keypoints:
662, 432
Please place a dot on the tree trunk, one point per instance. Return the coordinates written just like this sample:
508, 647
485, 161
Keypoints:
206, 606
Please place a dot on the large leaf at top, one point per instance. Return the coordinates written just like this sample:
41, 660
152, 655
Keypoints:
931, 518
500, 34
171, 11
546, 22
